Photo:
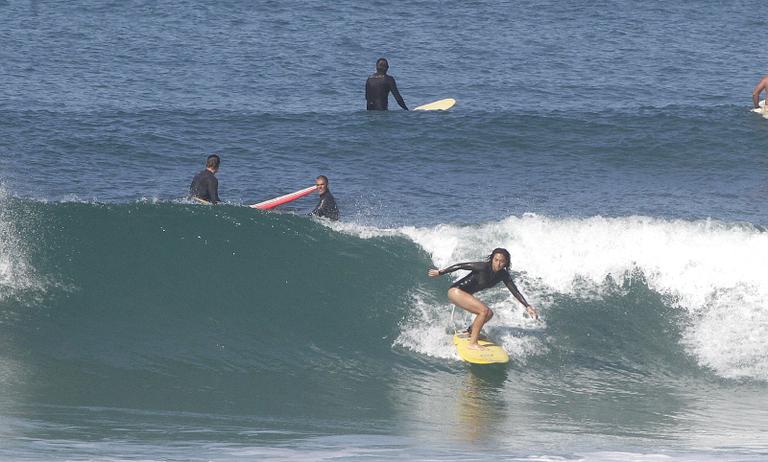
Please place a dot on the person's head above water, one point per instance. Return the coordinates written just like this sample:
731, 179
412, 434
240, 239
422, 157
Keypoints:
212, 163
382, 66
322, 184
499, 259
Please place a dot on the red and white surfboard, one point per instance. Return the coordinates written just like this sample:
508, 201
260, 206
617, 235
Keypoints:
272, 203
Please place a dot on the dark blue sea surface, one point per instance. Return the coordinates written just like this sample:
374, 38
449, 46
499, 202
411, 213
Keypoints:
608, 145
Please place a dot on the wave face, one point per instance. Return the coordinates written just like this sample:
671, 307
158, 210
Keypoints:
98, 300
182, 300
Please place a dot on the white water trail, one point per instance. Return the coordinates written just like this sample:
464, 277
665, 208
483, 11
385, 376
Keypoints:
714, 271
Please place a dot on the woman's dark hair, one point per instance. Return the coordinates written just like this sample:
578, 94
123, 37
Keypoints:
501, 251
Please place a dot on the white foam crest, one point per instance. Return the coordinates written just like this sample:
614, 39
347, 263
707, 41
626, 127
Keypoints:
713, 270
424, 331
15, 273
690, 259
730, 331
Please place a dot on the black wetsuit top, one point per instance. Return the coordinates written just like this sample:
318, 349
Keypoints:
483, 277
326, 207
205, 186
377, 89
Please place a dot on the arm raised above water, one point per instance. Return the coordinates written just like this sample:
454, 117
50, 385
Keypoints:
468, 266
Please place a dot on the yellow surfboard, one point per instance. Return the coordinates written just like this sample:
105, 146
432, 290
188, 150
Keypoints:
491, 354
441, 105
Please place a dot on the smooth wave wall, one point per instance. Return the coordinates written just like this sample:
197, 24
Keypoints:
180, 305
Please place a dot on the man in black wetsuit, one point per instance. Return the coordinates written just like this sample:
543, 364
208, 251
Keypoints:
378, 86
483, 275
205, 186
327, 205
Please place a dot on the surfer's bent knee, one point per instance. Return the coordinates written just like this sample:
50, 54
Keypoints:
488, 313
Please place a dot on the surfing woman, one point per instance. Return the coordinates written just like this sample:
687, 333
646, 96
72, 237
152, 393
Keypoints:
483, 275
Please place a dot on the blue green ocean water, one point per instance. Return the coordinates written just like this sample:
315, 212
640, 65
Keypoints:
608, 145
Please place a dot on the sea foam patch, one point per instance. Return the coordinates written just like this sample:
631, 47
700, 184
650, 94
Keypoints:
428, 329
712, 270
16, 274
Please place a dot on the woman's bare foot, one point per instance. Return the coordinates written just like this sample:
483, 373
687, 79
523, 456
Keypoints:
475, 346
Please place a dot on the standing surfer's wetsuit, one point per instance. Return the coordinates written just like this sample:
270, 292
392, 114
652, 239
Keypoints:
205, 186
326, 207
377, 89
482, 277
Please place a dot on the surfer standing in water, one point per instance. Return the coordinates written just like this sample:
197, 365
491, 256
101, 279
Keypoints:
205, 186
483, 275
378, 86
762, 86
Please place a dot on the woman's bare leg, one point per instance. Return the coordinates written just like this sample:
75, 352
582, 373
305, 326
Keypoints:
468, 302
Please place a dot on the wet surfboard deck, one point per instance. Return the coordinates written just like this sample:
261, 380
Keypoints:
440, 105
491, 354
